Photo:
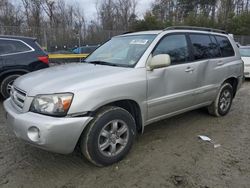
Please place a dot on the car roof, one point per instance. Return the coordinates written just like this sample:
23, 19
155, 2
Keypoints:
156, 32
191, 29
17, 37
152, 32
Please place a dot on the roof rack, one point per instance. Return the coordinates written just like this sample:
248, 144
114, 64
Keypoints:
196, 28
127, 32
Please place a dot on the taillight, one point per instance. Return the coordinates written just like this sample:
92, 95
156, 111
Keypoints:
44, 59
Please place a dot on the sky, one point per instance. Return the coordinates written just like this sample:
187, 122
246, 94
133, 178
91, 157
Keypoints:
89, 7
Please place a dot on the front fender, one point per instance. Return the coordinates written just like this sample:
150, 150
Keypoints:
95, 96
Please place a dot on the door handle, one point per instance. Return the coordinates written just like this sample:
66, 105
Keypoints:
189, 69
220, 63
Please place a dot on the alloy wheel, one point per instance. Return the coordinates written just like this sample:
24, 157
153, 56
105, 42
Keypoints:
113, 138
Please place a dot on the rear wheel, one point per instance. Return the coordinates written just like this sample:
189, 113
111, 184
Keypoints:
109, 137
6, 85
223, 102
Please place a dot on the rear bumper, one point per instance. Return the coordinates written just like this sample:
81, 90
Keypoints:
58, 135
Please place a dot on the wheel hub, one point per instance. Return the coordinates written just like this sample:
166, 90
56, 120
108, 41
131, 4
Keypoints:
113, 138
225, 101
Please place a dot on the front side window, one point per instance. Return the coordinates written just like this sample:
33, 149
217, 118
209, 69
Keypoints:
203, 47
245, 52
225, 46
122, 50
175, 46
12, 46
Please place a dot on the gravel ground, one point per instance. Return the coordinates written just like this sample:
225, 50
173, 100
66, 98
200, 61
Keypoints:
169, 154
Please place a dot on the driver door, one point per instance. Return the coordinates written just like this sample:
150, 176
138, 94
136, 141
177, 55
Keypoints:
171, 89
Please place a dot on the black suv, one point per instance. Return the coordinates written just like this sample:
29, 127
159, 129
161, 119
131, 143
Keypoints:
18, 56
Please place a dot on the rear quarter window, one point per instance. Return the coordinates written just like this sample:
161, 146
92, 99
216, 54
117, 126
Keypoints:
12, 46
38, 45
225, 46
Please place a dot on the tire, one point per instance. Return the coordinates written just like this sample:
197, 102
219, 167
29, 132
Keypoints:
99, 143
221, 106
6, 84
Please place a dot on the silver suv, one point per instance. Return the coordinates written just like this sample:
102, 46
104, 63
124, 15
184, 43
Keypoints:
129, 82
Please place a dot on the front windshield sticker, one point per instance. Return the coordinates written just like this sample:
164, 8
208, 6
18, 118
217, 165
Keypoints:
139, 41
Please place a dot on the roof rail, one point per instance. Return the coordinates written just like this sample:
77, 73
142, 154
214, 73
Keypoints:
196, 28
127, 32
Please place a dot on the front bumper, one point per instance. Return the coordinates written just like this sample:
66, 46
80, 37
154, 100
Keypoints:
58, 135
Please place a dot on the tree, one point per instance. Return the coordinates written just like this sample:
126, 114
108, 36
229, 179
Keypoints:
116, 14
59, 23
9, 16
149, 22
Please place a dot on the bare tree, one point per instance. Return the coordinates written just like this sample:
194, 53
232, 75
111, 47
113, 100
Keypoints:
116, 14
33, 14
125, 11
49, 8
9, 16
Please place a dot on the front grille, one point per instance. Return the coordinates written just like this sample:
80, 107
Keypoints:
18, 97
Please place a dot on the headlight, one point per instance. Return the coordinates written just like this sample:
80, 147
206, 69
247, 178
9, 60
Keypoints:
54, 105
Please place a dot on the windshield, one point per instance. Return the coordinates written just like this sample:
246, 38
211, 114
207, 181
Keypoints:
122, 51
245, 52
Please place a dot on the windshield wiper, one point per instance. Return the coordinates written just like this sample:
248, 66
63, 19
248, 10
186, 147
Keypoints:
102, 63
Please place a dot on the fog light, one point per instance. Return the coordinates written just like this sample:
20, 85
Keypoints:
34, 134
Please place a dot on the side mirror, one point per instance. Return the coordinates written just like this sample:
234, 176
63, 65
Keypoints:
159, 61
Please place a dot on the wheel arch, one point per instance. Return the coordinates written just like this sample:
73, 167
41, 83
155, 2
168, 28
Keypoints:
234, 82
13, 71
132, 107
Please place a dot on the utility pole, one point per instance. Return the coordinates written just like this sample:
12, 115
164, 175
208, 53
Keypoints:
45, 40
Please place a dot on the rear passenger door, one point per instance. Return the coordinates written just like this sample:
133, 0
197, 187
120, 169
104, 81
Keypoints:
203, 52
209, 53
171, 89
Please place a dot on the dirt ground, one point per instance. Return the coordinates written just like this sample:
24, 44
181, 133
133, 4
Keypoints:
169, 154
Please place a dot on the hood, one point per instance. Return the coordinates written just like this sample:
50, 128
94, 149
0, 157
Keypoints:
67, 78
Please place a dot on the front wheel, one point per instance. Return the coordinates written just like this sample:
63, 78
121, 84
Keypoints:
223, 102
6, 85
109, 137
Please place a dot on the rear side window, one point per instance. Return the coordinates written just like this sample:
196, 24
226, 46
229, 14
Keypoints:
39, 46
175, 46
216, 47
203, 47
225, 46
12, 46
